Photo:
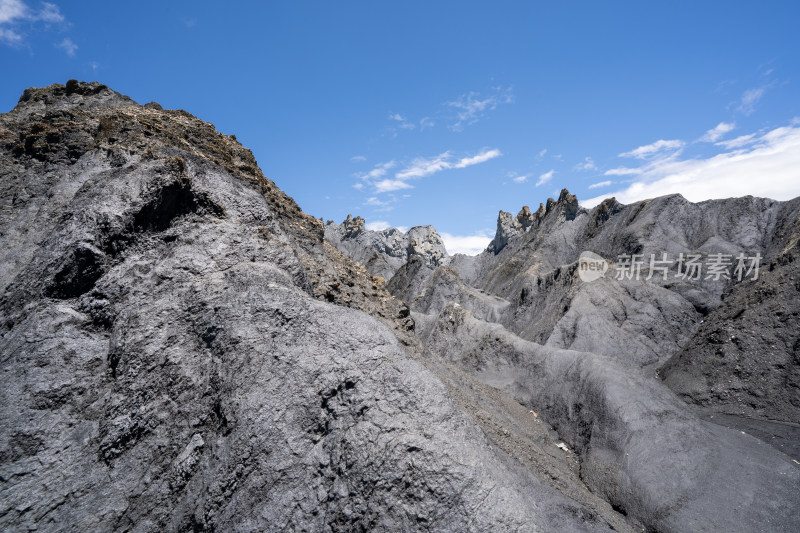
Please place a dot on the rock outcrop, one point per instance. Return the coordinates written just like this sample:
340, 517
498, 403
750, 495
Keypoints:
384, 252
586, 355
180, 350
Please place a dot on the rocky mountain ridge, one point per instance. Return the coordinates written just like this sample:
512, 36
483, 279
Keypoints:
182, 348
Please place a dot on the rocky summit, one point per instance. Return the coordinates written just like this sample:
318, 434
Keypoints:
183, 349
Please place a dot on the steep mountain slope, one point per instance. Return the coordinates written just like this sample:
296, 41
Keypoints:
177, 351
505, 317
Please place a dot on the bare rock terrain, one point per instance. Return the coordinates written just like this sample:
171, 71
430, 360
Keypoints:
183, 349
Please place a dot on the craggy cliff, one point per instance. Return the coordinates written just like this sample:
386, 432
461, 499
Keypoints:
183, 350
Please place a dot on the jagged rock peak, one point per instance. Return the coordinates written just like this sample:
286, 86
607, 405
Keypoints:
427, 243
352, 226
72, 95
509, 226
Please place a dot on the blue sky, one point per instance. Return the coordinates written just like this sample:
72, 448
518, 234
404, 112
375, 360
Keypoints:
443, 113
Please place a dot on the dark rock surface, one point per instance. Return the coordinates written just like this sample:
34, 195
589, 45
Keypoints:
744, 359
180, 350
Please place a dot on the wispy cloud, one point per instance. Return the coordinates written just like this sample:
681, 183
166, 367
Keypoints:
378, 171
357, 158
11, 10
422, 166
600, 184
401, 120
622, 171
425, 123
69, 47
586, 164
747, 105
516, 178
738, 142
657, 148
544, 178
380, 225
380, 205
389, 185
760, 164
16, 15
425, 166
10, 37
472, 106
482, 157
718, 132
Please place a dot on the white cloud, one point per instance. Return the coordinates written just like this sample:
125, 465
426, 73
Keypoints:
749, 100
11, 10
50, 13
586, 164
542, 154
380, 225
718, 132
738, 142
357, 158
425, 123
358, 186
404, 124
376, 202
482, 157
389, 185
544, 178
769, 167
14, 13
10, 37
517, 179
69, 47
377, 172
421, 166
600, 184
622, 171
466, 244
653, 149
472, 106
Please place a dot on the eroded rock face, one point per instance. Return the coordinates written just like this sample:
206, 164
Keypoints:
640, 447
586, 355
745, 358
384, 252
181, 350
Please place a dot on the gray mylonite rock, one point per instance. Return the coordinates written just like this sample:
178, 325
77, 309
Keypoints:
744, 359
169, 362
384, 252
641, 448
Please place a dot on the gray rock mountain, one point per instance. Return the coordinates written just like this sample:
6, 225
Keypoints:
181, 350
589, 357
